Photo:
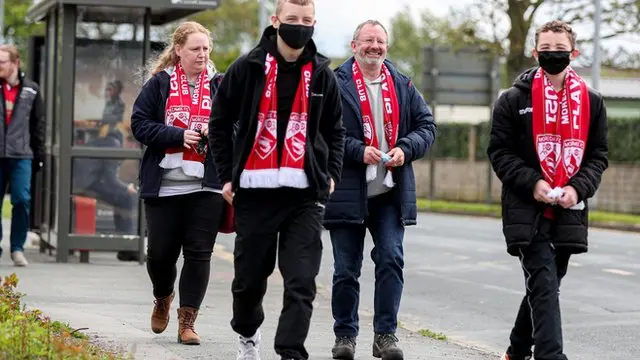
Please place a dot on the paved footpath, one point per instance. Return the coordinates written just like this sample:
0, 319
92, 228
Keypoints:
113, 300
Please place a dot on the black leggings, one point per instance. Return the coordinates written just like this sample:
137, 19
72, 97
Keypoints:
189, 222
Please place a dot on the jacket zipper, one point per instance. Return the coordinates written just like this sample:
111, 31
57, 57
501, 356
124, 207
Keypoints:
536, 223
15, 106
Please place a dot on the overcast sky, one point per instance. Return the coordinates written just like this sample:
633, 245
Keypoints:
338, 18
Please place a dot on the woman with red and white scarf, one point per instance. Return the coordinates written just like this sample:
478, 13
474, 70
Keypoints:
178, 180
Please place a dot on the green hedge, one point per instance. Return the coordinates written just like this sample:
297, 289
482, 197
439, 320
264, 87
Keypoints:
453, 139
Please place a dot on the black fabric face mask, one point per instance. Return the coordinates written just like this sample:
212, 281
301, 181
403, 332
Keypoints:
296, 36
554, 62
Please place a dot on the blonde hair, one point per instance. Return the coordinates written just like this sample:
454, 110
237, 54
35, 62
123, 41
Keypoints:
169, 57
295, 2
12, 50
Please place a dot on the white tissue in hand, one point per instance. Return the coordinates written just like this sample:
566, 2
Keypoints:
556, 193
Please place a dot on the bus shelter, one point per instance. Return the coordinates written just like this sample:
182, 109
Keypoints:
90, 67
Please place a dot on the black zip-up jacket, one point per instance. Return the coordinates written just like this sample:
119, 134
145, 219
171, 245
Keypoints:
514, 158
23, 138
237, 101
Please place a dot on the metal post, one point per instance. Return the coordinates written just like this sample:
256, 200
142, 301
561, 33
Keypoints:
66, 63
433, 75
146, 51
494, 77
595, 66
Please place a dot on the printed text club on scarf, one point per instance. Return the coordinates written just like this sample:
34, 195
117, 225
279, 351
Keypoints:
391, 117
187, 112
560, 128
262, 169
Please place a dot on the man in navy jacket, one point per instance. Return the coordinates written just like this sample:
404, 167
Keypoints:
389, 126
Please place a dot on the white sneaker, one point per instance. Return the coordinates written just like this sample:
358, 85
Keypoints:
19, 259
249, 348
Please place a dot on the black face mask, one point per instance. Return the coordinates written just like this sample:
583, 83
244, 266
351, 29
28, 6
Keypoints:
553, 62
296, 36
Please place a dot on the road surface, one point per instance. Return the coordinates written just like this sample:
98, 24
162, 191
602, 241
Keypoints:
459, 280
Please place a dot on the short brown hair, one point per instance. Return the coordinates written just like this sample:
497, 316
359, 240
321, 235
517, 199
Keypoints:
295, 2
557, 26
14, 53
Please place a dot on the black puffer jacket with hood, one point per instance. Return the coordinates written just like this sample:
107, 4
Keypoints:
514, 158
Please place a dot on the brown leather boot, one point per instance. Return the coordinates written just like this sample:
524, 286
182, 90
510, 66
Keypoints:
160, 314
186, 320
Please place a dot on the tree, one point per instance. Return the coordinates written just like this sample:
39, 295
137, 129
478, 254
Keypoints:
618, 17
519, 16
16, 29
234, 26
409, 37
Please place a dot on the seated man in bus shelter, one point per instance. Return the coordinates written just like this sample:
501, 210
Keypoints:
98, 178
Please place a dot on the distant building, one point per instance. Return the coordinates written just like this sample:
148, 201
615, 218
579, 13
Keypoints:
621, 94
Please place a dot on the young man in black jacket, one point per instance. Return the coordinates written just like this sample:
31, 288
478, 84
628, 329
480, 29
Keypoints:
278, 171
548, 146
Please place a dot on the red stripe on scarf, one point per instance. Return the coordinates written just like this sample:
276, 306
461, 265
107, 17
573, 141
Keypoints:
560, 126
391, 109
187, 112
262, 169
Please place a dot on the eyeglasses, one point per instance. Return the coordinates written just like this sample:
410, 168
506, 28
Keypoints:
372, 41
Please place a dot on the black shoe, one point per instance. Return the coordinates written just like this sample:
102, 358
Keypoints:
344, 348
385, 347
510, 354
128, 256
506, 356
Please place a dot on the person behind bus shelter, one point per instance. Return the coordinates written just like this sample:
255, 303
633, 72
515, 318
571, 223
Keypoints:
178, 182
113, 111
282, 167
99, 178
389, 126
548, 146
21, 144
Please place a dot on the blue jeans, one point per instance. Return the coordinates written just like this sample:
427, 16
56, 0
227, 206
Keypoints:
387, 231
17, 173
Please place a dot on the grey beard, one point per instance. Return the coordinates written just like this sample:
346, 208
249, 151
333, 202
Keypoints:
369, 61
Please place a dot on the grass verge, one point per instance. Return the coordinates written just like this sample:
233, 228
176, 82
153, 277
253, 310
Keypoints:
596, 218
28, 334
430, 334
6, 209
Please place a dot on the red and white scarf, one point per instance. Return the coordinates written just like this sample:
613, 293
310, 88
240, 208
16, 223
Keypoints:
187, 112
560, 126
262, 169
391, 112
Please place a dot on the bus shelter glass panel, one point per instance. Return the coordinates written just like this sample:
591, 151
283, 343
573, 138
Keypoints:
108, 71
104, 199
